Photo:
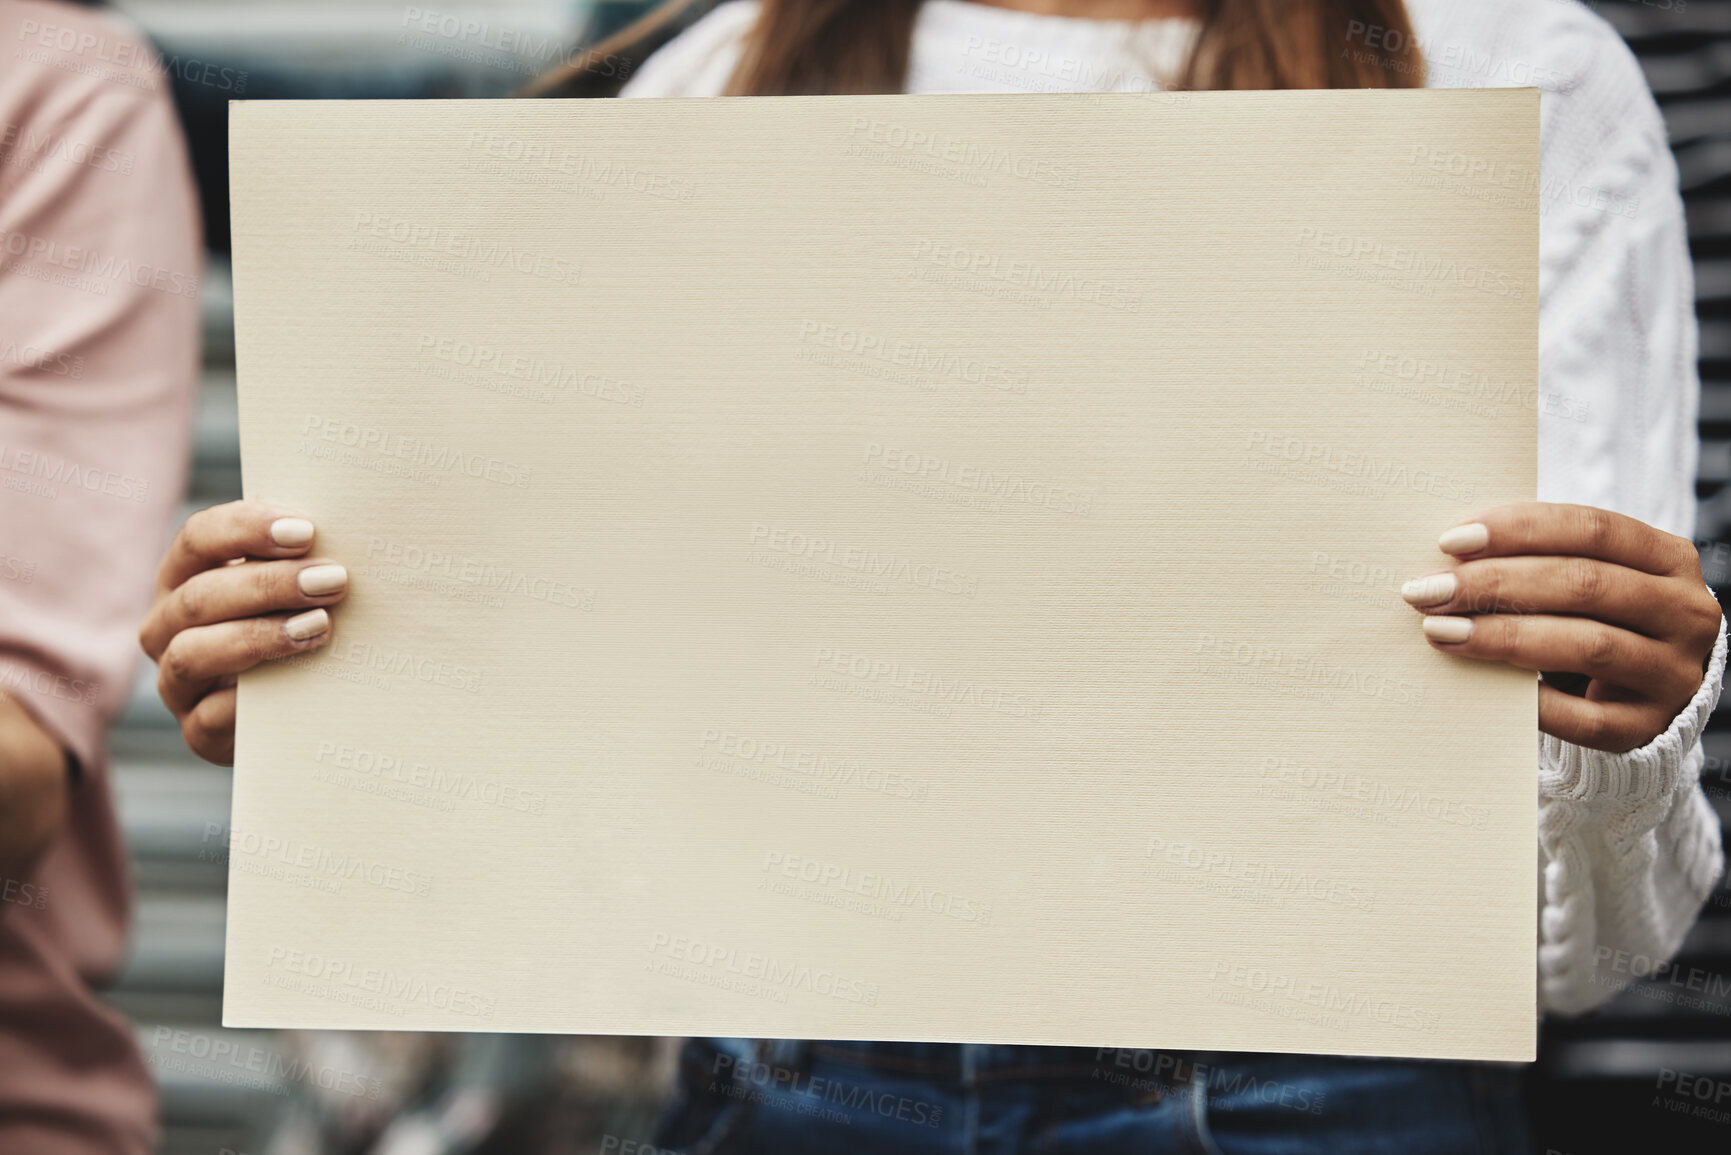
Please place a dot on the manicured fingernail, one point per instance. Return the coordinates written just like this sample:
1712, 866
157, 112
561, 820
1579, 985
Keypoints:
1449, 631
318, 580
1430, 590
308, 625
1465, 539
291, 531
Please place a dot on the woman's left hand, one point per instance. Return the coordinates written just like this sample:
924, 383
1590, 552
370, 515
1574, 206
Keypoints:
1613, 612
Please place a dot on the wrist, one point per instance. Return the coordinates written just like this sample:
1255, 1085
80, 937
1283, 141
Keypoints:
33, 788
1650, 773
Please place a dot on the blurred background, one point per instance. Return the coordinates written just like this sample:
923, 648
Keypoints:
1593, 1092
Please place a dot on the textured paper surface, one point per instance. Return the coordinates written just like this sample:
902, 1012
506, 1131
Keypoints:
898, 568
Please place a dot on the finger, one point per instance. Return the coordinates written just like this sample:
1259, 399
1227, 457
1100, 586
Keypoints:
1551, 585
1615, 726
242, 591
1537, 527
209, 727
1576, 645
198, 658
216, 536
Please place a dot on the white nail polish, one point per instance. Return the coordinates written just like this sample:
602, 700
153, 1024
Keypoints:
308, 625
318, 580
1432, 589
291, 531
1465, 539
1449, 631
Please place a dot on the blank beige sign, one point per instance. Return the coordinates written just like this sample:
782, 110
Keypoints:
906, 568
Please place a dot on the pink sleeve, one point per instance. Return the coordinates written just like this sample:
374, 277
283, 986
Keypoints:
99, 267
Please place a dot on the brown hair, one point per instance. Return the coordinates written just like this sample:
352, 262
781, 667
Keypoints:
816, 47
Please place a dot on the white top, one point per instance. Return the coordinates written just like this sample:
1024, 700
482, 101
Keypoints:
1628, 845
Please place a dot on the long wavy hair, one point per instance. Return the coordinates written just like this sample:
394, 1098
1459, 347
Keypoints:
833, 47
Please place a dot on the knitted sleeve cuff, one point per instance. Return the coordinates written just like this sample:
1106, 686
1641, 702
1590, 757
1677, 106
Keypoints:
1568, 772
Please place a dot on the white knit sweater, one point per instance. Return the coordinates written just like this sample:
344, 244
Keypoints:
1628, 845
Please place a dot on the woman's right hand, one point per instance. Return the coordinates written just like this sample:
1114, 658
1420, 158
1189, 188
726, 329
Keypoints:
233, 591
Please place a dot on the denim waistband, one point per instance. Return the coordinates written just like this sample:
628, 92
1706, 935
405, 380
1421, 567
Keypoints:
983, 1061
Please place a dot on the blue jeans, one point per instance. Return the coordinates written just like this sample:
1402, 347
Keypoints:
780, 1097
